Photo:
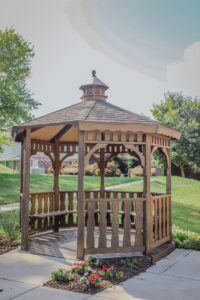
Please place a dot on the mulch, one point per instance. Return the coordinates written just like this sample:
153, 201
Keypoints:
4, 245
142, 264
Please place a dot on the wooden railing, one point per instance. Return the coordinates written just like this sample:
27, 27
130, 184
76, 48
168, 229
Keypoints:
43, 204
161, 214
114, 222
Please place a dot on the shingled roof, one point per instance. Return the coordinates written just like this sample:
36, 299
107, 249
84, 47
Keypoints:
90, 111
94, 109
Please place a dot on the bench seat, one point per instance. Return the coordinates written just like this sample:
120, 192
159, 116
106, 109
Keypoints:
58, 213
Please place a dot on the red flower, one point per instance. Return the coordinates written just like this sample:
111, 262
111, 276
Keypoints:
104, 268
85, 262
78, 264
91, 279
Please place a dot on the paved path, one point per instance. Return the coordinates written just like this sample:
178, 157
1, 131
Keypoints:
13, 206
177, 277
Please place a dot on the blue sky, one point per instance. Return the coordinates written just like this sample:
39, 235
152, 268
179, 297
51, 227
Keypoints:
140, 48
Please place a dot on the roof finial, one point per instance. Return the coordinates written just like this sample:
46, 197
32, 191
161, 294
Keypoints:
93, 73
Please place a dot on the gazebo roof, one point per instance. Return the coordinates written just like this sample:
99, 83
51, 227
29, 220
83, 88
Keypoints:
90, 111
95, 109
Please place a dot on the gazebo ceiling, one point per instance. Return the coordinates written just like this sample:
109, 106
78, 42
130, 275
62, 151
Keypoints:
93, 113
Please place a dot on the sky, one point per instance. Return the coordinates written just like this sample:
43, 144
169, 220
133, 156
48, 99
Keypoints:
140, 48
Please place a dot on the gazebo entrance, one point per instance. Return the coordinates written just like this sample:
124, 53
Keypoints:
106, 221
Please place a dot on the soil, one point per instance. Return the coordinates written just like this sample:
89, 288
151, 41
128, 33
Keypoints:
196, 214
141, 265
4, 245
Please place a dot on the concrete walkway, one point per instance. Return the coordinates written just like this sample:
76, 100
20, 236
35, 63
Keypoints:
176, 277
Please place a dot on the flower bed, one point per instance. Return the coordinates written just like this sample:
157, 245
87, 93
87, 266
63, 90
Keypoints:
94, 274
186, 239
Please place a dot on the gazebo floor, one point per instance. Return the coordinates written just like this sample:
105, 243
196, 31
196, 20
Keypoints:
63, 244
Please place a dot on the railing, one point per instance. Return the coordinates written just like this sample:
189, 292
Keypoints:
113, 220
43, 204
161, 213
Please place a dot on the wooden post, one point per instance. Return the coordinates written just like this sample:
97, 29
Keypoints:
168, 190
56, 183
147, 193
81, 204
21, 181
25, 190
168, 175
102, 171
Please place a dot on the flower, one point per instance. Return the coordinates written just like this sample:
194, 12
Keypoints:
104, 268
91, 279
85, 262
96, 276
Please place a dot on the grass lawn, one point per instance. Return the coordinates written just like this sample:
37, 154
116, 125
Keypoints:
4, 169
10, 184
185, 200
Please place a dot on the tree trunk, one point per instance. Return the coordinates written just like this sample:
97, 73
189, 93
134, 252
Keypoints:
182, 171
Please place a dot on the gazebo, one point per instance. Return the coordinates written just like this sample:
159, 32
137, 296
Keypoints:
125, 221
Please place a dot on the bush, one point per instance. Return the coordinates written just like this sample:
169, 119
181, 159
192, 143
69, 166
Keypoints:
121, 164
91, 170
111, 170
186, 239
81, 267
127, 262
95, 262
10, 227
62, 275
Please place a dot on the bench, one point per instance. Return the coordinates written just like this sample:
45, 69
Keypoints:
59, 213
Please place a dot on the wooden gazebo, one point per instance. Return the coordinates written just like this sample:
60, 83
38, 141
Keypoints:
135, 221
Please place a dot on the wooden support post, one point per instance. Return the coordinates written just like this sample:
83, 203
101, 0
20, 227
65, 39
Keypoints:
102, 171
168, 190
21, 183
147, 193
81, 203
56, 183
25, 190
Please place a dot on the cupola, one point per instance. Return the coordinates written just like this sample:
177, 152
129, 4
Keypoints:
95, 90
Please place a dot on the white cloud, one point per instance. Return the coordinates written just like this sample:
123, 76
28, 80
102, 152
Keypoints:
184, 76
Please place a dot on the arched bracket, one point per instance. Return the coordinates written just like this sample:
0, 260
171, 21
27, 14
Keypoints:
93, 150
137, 152
164, 151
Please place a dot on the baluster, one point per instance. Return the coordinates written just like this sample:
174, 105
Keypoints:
90, 242
40, 196
51, 195
139, 222
70, 208
115, 223
46, 210
102, 223
127, 223
33, 211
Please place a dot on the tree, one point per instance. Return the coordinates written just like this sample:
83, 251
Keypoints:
182, 113
16, 101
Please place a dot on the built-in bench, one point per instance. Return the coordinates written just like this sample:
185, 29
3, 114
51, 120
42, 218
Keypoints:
58, 213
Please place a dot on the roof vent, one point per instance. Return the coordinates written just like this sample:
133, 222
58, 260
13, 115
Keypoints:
95, 90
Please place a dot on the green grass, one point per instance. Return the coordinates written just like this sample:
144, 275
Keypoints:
185, 200
10, 184
4, 169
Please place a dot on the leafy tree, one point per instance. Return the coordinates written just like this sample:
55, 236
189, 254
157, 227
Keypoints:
16, 101
182, 113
